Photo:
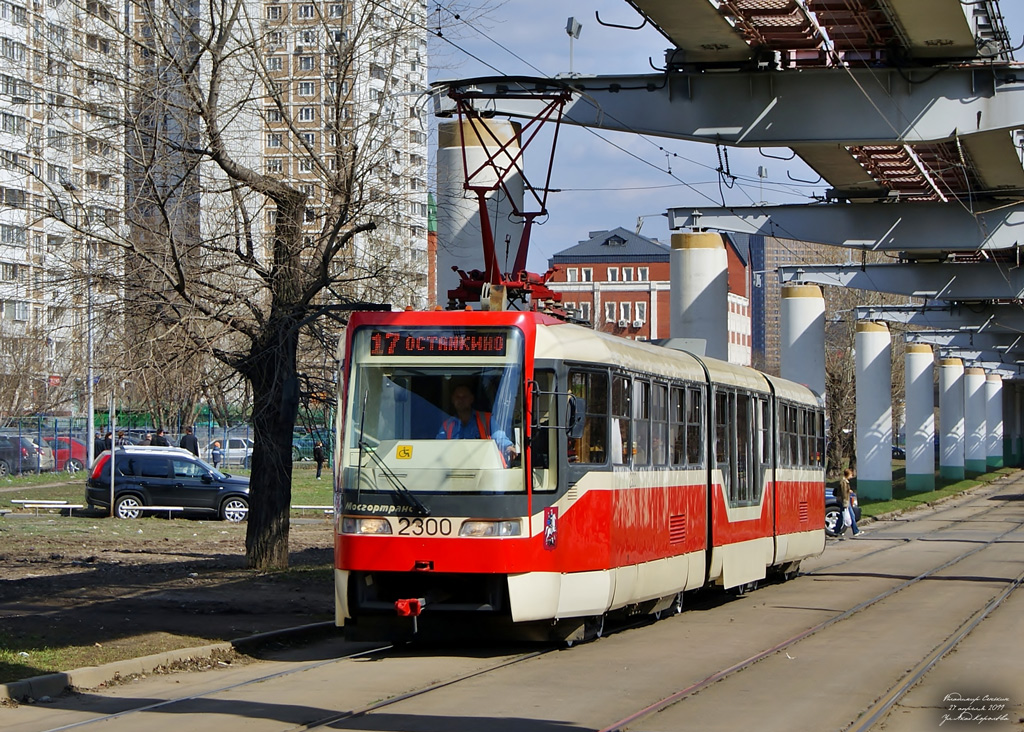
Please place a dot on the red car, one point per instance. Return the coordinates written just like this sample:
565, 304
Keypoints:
71, 454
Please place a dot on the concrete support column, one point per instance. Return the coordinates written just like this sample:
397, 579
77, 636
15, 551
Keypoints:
951, 419
920, 410
802, 336
700, 291
993, 421
874, 410
975, 428
459, 241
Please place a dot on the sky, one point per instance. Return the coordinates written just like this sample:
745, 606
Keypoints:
609, 179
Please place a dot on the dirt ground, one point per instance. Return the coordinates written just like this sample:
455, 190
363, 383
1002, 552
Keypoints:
84, 590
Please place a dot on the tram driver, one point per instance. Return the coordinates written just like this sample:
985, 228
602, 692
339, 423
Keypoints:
470, 424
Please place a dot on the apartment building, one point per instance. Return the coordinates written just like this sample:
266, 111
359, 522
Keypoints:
349, 78
60, 183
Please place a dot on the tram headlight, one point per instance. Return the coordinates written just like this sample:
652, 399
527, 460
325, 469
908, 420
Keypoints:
354, 525
491, 528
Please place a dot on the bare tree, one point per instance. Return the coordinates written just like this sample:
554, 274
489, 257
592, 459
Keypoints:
269, 189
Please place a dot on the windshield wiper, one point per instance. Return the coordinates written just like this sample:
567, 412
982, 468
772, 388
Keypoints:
395, 481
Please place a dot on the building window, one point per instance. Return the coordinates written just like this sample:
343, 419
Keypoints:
309, 138
585, 310
307, 114
273, 139
627, 274
336, 10
307, 88
274, 165
641, 311
643, 274
625, 310
613, 274
587, 274
572, 275
609, 312
307, 12
307, 63
307, 37
273, 12
273, 114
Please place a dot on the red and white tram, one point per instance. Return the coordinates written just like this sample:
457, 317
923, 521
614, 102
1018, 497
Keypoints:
604, 475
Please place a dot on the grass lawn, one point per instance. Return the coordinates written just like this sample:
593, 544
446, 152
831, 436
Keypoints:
902, 499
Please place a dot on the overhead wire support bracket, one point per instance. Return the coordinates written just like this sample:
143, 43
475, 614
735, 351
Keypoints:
503, 160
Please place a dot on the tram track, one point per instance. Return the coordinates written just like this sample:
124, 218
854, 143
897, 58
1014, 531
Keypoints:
892, 696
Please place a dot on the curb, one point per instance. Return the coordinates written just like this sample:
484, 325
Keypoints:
92, 677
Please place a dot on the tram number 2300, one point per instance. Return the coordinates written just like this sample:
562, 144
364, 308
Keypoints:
424, 527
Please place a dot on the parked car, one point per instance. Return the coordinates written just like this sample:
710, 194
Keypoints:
235, 451
70, 454
31, 456
165, 476
832, 509
898, 453
10, 457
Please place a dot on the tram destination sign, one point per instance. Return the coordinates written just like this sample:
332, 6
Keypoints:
437, 343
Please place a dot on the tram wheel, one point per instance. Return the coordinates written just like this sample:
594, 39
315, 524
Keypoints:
741, 590
673, 609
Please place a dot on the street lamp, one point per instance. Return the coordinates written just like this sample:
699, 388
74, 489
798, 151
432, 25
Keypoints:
572, 28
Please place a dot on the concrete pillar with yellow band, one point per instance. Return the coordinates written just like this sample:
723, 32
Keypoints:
951, 419
919, 361
802, 331
873, 373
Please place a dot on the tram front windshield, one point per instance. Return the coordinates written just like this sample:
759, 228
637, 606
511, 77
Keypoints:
438, 410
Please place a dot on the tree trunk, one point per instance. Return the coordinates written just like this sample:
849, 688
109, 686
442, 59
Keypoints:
274, 377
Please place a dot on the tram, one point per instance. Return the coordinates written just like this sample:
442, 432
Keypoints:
595, 475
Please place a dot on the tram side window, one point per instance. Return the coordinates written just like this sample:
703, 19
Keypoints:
592, 447
790, 433
819, 432
724, 403
544, 439
809, 442
764, 430
641, 422
743, 486
694, 426
677, 428
659, 424
621, 410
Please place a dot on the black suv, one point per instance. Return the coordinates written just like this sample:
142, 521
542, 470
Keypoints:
165, 476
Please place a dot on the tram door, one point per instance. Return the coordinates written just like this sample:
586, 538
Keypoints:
741, 437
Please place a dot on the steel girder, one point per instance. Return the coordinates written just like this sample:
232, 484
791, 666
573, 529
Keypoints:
979, 317
904, 227
848, 106
940, 281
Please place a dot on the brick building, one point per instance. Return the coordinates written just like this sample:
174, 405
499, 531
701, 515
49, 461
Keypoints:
618, 282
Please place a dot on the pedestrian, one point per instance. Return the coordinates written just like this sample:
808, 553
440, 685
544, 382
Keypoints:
159, 440
318, 457
189, 442
216, 454
98, 445
108, 440
122, 440
846, 505
147, 440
